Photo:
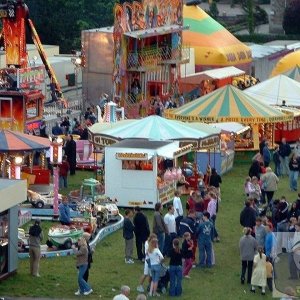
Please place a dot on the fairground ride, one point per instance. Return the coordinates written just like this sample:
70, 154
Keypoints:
21, 99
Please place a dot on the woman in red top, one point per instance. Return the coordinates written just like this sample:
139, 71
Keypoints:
64, 168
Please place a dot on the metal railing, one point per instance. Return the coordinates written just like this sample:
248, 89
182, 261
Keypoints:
154, 56
58, 108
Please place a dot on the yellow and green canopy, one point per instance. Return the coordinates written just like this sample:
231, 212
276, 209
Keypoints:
214, 45
287, 63
227, 104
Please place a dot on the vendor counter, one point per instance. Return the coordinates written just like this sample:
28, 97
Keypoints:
222, 161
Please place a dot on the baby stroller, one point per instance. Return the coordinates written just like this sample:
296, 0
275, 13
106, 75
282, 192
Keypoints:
163, 279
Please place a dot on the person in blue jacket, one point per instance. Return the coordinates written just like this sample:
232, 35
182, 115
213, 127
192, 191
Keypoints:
205, 232
64, 212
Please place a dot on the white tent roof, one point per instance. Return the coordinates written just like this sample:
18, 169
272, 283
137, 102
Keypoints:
219, 73
231, 127
274, 90
260, 51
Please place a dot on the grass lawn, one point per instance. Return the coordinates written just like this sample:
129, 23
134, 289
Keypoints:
109, 271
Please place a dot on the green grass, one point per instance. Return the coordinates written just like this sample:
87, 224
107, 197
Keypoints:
109, 272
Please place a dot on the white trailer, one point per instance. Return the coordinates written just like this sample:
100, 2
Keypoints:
131, 170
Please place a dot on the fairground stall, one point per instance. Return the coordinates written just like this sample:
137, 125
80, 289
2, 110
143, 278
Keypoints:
12, 193
201, 136
290, 130
147, 51
229, 104
136, 171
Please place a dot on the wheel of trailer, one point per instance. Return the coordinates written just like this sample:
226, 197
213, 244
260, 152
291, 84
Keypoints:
68, 244
39, 204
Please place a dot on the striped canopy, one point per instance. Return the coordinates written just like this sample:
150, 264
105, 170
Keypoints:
286, 63
293, 73
214, 45
13, 141
227, 104
275, 90
157, 128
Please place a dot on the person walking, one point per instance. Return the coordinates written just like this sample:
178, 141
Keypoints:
35, 238
170, 222
205, 235
81, 254
248, 248
259, 275
178, 210
70, 152
155, 259
215, 180
64, 212
159, 226
175, 270
64, 168
248, 216
284, 153
141, 231
269, 183
128, 235
260, 232
294, 166
270, 244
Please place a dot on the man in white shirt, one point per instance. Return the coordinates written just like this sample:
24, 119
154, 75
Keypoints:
170, 222
178, 210
125, 291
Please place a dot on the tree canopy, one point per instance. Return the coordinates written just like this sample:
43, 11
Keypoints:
60, 22
291, 20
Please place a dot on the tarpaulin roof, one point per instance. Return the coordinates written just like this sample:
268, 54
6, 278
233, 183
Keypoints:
13, 141
227, 104
293, 73
286, 63
274, 90
214, 45
231, 127
156, 128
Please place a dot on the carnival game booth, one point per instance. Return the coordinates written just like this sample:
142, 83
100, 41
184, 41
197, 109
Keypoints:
214, 46
229, 104
278, 90
12, 193
136, 175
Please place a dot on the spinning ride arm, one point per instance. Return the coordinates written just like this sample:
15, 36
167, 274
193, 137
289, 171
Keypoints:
55, 86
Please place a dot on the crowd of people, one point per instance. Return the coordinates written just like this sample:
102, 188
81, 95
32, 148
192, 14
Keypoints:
271, 224
176, 236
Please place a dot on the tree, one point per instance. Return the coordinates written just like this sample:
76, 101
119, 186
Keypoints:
291, 20
213, 9
60, 22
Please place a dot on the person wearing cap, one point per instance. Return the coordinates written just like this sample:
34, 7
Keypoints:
35, 238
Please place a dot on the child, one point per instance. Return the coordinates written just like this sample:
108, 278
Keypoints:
269, 268
187, 254
201, 184
175, 270
255, 191
147, 272
247, 186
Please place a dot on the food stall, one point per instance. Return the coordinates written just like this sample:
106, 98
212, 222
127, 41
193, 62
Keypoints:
142, 172
229, 104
